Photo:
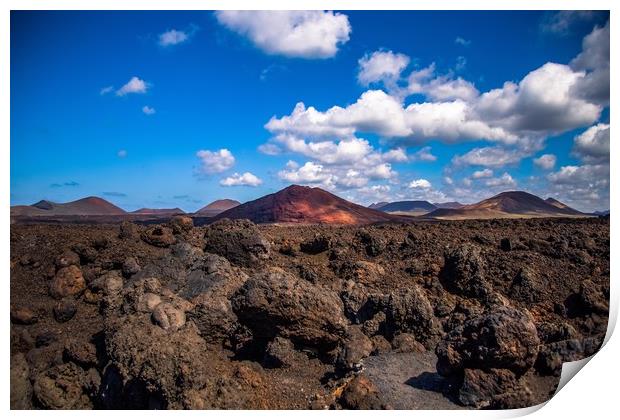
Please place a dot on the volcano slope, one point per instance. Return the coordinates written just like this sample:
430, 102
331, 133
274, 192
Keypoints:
451, 314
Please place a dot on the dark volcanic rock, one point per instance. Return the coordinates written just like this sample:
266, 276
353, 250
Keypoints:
361, 394
409, 311
505, 338
240, 241
65, 387
464, 271
495, 388
159, 236
65, 310
21, 389
527, 286
181, 224
68, 281
129, 230
355, 348
67, 258
276, 303
373, 244
280, 353
130, 267
552, 355
316, 245
23, 315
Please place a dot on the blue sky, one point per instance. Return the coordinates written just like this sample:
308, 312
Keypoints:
177, 109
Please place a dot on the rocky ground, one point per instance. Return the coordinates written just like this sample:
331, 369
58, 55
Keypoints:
469, 314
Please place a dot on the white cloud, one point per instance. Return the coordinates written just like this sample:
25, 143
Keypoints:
377, 112
492, 156
306, 34
381, 66
546, 161
594, 59
593, 144
420, 184
543, 102
560, 22
270, 149
440, 87
310, 172
134, 85
122, 153
106, 90
461, 63
424, 155
172, 37
586, 187
291, 164
213, 162
245, 179
484, 173
148, 110
462, 41
504, 181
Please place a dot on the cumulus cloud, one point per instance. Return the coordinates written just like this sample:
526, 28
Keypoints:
420, 184
381, 66
134, 85
148, 110
423, 155
484, 173
504, 181
593, 144
245, 179
546, 161
378, 112
440, 87
305, 34
172, 37
586, 187
212, 162
594, 60
310, 172
543, 102
491, 157
560, 22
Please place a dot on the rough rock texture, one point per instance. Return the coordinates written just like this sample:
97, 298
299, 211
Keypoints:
361, 394
408, 310
240, 241
23, 315
21, 389
276, 303
68, 281
160, 236
505, 338
464, 271
294, 329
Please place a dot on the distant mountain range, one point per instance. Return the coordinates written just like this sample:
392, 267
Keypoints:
510, 204
162, 212
298, 204
89, 206
408, 207
216, 207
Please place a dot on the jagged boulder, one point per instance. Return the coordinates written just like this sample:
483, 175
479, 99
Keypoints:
276, 303
240, 241
464, 271
505, 338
